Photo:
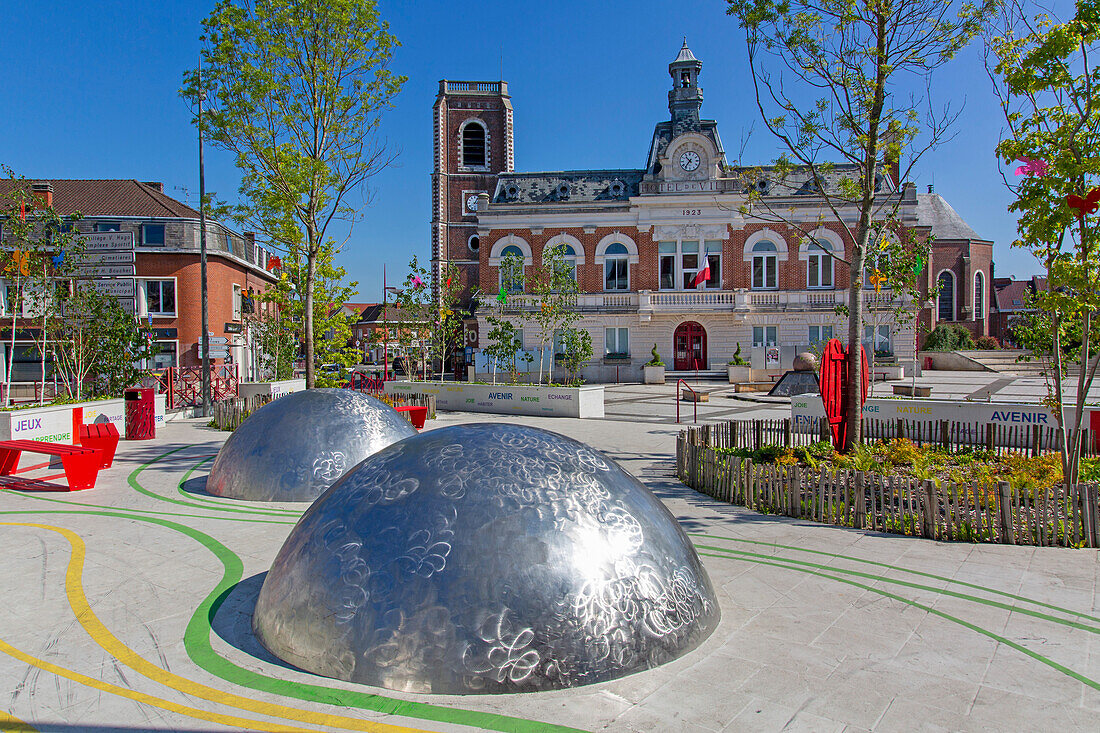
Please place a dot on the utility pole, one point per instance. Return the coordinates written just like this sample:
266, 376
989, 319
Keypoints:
204, 340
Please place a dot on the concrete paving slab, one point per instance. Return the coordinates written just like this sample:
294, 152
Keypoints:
797, 648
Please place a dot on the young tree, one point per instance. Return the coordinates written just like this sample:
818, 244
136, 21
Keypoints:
504, 346
43, 249
555, 285
440, 330
854, 57
577, 350
332, 334
1042, 71
296, 90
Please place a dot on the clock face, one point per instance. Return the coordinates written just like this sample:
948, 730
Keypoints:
689, 160
471, 202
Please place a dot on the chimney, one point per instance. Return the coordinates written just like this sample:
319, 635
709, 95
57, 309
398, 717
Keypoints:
43, 191
930, 188
155, 185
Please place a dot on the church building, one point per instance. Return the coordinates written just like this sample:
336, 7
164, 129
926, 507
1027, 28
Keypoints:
667, 254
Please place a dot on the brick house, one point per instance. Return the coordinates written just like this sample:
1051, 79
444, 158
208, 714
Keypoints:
160, 236
638, 240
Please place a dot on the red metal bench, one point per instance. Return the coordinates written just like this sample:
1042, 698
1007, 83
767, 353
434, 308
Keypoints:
102, 436
81, 464
416, 414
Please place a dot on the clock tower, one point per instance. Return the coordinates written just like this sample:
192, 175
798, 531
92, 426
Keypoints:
685, 98
472, 131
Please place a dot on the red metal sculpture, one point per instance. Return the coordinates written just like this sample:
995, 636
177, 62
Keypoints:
834, 387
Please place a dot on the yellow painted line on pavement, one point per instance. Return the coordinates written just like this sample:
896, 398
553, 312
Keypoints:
9, 722
104, 638
212, 717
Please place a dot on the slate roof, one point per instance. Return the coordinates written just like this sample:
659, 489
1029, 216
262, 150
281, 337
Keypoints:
110, 197
799, 182
1012, 295
567, 187
685, 54
933, 211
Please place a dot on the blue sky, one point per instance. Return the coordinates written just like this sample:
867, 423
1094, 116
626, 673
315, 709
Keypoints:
91, 92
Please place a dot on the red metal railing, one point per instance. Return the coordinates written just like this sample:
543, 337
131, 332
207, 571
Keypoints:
694, 402
182, 386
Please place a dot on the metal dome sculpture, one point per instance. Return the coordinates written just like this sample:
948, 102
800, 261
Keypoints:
296, 447
485, 558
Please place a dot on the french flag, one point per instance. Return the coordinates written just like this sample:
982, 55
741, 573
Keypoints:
702, 276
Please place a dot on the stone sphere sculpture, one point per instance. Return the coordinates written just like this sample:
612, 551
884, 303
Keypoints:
297, 446
805, 362
485, 558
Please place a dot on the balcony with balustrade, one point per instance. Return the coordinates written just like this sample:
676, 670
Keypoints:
743, 302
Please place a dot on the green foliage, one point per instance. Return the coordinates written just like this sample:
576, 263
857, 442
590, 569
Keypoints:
736, 360
285, 323
555, 285
987, 343
949, 337
655, 358
97, 345
431, 324
1050, 92
855, 58
577, 350
504, 345
295, 90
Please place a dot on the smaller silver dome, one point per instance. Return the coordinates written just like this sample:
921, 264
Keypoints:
296, 447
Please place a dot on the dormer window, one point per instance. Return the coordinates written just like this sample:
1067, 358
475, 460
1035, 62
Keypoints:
473, 145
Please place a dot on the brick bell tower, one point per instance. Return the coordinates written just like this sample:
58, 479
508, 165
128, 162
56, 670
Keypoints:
472, 130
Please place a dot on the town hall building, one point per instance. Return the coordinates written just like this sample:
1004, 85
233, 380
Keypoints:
640, 242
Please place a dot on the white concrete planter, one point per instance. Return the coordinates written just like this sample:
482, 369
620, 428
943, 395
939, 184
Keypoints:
653, 374
519, 399
739, 374
55, 424
273, 389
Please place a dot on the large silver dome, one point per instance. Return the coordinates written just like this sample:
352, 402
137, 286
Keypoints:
485, 558
297, 446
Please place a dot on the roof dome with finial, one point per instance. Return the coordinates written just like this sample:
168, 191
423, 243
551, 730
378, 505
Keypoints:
685, 53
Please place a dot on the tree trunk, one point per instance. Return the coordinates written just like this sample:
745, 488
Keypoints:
311, 271
853, 405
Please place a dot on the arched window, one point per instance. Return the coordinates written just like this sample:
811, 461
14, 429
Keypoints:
764, 266
511, 269
979, 296
819, 265
615, 267
473, 145
946, 299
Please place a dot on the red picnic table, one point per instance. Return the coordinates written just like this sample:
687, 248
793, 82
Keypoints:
81, 464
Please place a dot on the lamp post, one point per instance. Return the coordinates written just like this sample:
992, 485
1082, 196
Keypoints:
204, 339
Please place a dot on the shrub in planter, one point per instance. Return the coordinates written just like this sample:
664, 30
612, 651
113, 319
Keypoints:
656, 360
736, 360
988, 342
946, 337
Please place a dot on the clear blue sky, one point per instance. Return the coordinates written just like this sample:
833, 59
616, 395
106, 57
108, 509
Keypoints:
90, 91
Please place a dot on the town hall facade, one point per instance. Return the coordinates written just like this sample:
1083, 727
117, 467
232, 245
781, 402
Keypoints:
641, 240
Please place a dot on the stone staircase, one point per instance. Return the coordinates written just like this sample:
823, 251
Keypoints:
1003, 361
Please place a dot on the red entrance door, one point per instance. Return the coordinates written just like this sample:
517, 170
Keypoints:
690, 347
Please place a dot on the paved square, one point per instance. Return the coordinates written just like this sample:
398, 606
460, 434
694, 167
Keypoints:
108, 620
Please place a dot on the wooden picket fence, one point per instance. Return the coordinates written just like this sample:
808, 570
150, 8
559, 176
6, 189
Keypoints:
1030, 440
971, 512
229, 414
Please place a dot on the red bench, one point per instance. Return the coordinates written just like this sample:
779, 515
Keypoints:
416, 415
81, 464
102, 436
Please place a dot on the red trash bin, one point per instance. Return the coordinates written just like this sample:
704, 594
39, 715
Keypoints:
141, 414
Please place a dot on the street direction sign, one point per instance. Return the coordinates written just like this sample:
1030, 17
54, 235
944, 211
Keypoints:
215, 353
118, 287
94, 241
104, 270
128, 304
217, 339
104, 257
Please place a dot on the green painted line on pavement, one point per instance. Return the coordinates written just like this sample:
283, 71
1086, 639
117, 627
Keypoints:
954, 619
916, 586
900, 569
218, 501
147, 512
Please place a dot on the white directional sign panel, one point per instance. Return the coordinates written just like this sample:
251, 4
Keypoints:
104, 270
215, 352
215, 340
105, 257
118, 287
128, 304
94, 241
